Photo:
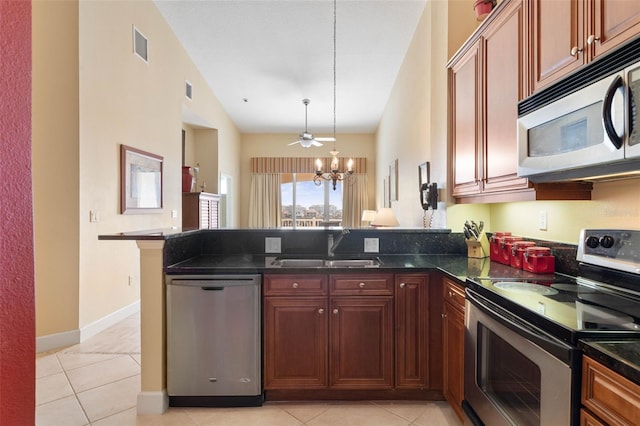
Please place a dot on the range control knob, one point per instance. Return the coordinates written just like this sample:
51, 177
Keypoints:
607, 241
592, 242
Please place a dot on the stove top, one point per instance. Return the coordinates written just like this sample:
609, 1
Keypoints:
604, 299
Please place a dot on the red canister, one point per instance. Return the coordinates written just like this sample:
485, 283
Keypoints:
517, 250
538, 260
494, 245
506, 246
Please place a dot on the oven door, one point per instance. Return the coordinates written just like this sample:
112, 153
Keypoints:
515, 374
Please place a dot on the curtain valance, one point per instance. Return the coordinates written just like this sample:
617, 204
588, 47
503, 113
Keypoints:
302, 164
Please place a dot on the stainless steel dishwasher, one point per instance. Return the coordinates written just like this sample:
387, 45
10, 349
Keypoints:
214, 340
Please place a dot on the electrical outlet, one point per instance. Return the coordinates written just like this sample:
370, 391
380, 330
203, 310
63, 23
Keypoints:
542, 220
272, 245
93, 216
174, 214
371, 245
131, 280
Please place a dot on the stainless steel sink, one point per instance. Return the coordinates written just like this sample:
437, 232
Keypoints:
299, 263
326, 263
352, 263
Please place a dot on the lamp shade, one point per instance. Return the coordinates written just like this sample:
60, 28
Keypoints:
385, 217
368, 215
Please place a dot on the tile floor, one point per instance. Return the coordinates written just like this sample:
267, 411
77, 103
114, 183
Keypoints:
97, 382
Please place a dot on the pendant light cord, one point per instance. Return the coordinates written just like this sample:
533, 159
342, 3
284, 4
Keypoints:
334, 74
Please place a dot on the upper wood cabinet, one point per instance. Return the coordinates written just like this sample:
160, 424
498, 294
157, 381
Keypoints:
567, 34
486, 83
487, 79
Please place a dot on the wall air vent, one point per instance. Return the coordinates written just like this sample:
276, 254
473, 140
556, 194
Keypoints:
140, 44
188, 90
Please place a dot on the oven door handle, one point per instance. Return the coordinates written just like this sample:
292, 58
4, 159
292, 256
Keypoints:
555, 346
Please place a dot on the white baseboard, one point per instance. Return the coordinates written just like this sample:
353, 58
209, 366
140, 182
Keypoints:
73, 337
153, 402
57, 340
105, 322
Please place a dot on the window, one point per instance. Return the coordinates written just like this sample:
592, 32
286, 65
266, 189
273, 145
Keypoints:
314, 205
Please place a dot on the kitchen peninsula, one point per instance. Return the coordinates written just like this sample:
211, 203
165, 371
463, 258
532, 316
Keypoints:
434, 253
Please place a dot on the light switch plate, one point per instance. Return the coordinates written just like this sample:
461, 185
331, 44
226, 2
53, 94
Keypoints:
371, 245
272, 245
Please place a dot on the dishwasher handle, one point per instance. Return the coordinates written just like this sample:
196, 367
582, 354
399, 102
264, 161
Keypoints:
208, 288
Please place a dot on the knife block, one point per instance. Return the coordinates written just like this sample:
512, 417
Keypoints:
478, 249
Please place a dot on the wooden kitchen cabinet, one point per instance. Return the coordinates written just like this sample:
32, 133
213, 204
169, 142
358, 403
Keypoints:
296, 340
610, 397
567, 34
296, 331
352, 335
361, 327
361, 344
200, 210
486, 85
412, 331
348, 346
487, 79
453, 345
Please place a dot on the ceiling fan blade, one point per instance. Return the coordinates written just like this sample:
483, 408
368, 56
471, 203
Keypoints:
326, 139
294, 142
316, 143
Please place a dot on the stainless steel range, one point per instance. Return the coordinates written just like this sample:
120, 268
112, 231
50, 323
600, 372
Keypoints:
522, 364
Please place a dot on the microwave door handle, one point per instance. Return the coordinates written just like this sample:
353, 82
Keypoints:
607, 105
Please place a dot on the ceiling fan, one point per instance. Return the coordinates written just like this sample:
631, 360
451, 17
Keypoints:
306, 139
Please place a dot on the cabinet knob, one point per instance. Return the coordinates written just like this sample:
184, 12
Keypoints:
592, 39
451, 294
295, 285
321, 311
444, 315
335, 311
361, 285
402, 285
575, 50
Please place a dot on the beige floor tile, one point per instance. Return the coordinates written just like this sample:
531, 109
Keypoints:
357, 415
50, 388
303, 411
173, 417
69, 360
101, 373
246, 416
110, 399
47, 365
437, 414
61, 412
137, 358
409, 410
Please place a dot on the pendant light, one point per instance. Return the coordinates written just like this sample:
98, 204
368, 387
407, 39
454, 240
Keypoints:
334, 174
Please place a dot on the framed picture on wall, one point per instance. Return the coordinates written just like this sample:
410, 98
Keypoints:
385, 185
140, 181
393, 181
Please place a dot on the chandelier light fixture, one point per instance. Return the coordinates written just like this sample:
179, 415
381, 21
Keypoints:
334, 175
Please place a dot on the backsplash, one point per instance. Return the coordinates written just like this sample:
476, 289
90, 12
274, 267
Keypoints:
304, 242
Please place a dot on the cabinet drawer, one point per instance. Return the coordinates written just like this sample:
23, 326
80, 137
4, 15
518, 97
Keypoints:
608, 395
295, 285
454, 293
362, 284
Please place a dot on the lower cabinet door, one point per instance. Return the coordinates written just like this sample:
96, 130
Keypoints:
361, 342
295, 343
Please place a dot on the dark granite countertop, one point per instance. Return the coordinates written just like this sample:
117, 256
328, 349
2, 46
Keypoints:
620, 355
455, 266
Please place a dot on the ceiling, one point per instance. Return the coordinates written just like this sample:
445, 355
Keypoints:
274, 53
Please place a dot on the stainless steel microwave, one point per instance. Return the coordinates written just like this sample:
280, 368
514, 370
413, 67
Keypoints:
589, 134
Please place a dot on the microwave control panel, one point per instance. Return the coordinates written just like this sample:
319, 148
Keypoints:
633, 78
